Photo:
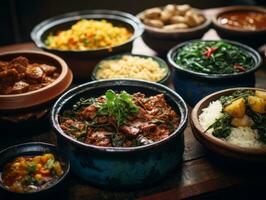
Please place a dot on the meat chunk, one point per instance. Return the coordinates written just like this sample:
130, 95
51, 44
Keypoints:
47, 69
98, 138
20, 64
9, 76
3, 66
130, 130
19, 60
20, 87
89, 112
34, 74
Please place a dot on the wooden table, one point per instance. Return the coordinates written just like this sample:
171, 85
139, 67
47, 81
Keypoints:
201, 174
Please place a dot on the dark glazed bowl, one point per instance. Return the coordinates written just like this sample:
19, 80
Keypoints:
82, 62
253, 38
118, 167
160, 61
32, 149
193, 86
217, 145
161, 41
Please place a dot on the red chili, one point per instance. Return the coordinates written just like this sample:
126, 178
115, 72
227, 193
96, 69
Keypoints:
210, 51
239, 67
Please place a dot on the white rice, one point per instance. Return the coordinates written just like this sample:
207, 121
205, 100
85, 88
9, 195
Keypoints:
241, 136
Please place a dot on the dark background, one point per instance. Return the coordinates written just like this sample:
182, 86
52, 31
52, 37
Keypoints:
18, 17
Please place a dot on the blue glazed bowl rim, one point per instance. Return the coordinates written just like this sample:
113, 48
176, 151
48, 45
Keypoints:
255, 55
157, 59
183, 110
47, 24
53, 149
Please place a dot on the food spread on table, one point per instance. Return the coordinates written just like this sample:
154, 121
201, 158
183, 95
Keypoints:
120, 119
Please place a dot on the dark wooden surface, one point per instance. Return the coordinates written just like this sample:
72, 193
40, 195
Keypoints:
201, 175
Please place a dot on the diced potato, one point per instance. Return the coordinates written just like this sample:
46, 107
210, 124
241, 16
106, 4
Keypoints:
261, 94
242, 122
36, 159
58, 168
46, 157
236, 109
257, 104
38, 177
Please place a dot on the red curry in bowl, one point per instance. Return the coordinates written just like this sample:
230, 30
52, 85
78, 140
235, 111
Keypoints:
245, 20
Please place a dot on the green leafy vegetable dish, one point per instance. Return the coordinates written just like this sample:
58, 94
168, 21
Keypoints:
120, 119
214, 57
239, 118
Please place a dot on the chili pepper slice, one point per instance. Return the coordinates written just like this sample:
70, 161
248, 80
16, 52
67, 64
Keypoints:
209, 51
239, 67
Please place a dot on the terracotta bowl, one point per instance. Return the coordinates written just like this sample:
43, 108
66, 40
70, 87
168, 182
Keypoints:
217, 145
161, 41
34, 104
253, 38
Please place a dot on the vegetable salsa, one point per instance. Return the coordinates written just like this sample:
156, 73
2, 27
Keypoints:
214, 57
31, 173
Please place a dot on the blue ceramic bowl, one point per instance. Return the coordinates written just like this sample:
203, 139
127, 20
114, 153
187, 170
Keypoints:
32, 149
193, 86
121, 167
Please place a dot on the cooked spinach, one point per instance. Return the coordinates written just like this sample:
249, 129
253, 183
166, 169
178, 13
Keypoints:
214, 57
222, 126
259, 123
226, 100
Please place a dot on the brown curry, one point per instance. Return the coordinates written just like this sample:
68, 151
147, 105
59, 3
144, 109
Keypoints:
19, 76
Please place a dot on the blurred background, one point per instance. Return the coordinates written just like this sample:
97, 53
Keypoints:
18, 17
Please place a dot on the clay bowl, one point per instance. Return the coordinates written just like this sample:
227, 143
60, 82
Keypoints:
250, 37
161, 62
161, 41
34, 104
82, 62
217, 145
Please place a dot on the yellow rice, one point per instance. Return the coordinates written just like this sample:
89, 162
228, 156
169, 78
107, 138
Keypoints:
87, 35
